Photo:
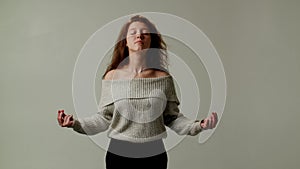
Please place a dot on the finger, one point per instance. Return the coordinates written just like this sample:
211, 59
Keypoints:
59, 117
63, 114
71, 118
66, 121
216, 119
212, 119
207, 123
69, 121
203, 123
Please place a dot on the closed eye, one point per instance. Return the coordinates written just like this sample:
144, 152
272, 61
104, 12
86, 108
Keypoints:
143, 31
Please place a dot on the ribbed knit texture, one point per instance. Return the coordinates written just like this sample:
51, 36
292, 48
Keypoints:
137, 110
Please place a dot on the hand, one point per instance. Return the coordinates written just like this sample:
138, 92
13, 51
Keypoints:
65, 120
209, 122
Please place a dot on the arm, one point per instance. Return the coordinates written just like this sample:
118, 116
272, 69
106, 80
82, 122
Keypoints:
97, 123
184, 126
89, 125
101, 120
178, 122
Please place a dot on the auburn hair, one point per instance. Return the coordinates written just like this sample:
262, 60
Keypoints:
158, 58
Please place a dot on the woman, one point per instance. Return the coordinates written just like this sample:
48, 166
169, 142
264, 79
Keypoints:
138, 100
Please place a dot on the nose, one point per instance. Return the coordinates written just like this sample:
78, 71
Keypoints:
139, 35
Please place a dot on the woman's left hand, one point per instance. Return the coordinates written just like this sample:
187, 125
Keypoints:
209, 122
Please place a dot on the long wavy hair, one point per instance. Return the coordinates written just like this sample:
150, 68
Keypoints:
156, 58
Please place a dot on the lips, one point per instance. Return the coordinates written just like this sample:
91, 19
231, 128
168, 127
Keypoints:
140, 42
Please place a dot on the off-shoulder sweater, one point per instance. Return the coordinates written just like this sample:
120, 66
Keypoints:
137, 110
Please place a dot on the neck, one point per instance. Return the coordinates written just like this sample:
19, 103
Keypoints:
137, 62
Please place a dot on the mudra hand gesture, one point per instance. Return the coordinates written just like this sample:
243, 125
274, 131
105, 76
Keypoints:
65, 120
209, 122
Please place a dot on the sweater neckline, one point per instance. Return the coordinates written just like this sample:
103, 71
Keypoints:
138, 79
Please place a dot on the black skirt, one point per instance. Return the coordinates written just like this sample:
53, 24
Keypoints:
123, 154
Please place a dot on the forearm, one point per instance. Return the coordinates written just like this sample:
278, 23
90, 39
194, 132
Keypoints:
77, 127
97, 123
91, 125
184, 126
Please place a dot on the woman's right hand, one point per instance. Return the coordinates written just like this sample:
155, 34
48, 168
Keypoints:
65, 120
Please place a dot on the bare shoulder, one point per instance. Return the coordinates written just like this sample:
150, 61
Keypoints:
160, 73
109, 75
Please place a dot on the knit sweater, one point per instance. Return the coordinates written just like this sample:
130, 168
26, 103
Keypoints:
137, 110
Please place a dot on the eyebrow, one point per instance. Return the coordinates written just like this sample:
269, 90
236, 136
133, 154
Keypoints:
141, 29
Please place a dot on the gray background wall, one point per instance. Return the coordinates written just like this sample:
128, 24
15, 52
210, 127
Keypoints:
258, 42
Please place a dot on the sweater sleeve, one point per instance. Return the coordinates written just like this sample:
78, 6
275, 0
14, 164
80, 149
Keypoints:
178, 122
96, 123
